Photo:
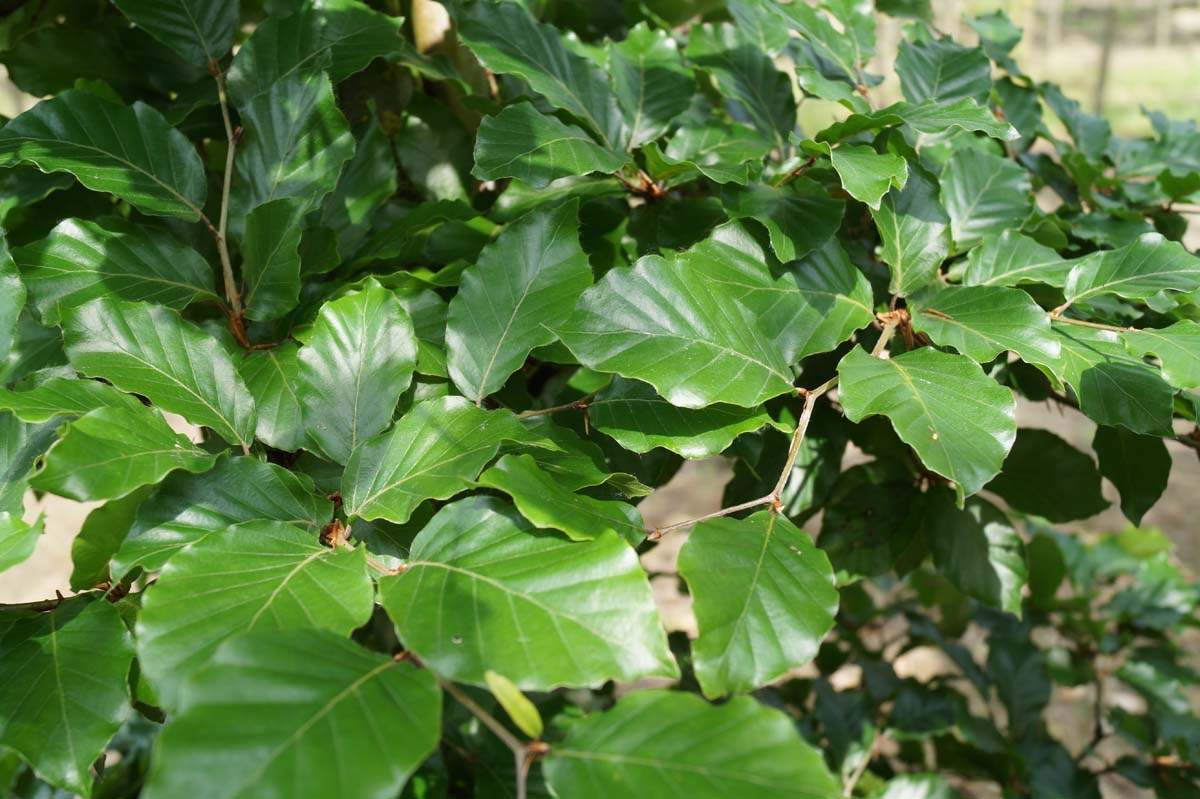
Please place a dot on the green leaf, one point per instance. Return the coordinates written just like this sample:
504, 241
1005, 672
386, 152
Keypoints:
295, 143
271, 259
983, 321
508, 40
18, 539
129, 151
747, 76
63, 687
522, 143
866, 175
960, 422
81, 260
544, 611
63, 396
1139, 466
943, 72
185, 508
723, 153
1144, 267
914, 232
1011, 259
524, 284
633, 415
758, 22
659, 743
813, 307
984, 194
316, 715
656, 323
358, 360
339, 36
1045, 476
100, 537
201, 31
799, 217
367, 182
764, 598
651, 85
871, 517
272, 377
149, 350
977, 549
577, 463
21, 444
1091, 133
435, 451
844, 53
1177, 347
545, 503
933, 117
110, 451
1114, 388
518, 707
262, 575
12, 299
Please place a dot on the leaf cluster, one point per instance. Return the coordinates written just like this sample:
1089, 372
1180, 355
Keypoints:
368, 326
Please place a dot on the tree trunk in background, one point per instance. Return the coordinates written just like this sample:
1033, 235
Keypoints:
1162, 23
1106, 46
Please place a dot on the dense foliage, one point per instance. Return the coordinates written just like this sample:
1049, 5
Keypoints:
441, 306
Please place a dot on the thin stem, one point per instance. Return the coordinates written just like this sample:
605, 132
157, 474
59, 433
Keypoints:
658, 532
890, 323
522, 753
1082, 323
237, 320
578, 405
523, 762
489, 721
861, 768
788, 177
810, 401
890, 320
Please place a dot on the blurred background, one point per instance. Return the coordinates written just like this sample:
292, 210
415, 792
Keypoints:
1114, 56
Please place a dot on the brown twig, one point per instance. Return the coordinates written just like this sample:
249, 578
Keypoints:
237, 319
578, 405
523, 753
1082, 323
774, 499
